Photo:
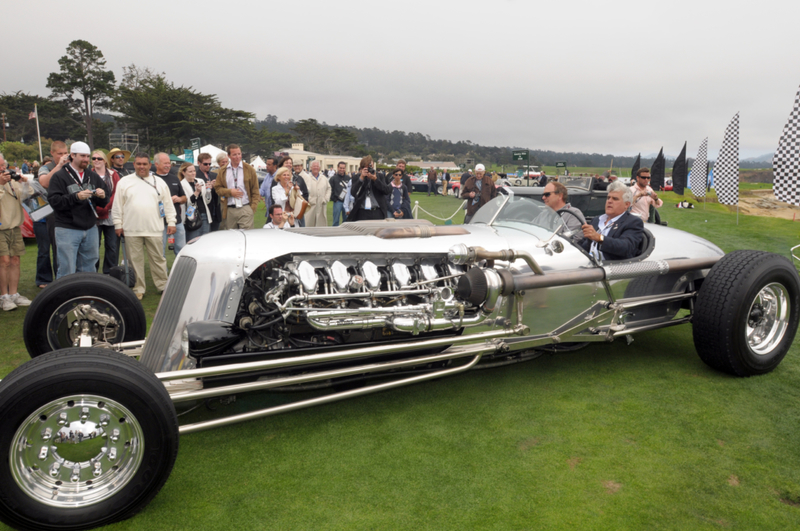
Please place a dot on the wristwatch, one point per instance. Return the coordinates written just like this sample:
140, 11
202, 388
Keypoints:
602, 238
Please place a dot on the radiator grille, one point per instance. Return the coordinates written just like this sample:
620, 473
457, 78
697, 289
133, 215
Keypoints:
169, 311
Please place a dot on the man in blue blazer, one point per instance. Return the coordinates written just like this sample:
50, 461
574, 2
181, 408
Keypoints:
617, 234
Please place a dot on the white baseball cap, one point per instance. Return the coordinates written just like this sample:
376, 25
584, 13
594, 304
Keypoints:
480, 167
80, 148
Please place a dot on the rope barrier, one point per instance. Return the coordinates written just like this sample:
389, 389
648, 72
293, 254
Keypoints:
417, 208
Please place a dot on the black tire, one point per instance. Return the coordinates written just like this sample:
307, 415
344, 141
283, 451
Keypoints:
139, 438
47, 322
747, 312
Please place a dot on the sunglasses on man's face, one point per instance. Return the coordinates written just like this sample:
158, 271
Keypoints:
205, 164
547, 194
119, 156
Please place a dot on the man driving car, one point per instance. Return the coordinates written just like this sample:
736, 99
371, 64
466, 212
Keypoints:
617, 234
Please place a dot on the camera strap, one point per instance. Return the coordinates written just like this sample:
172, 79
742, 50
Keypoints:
72, 173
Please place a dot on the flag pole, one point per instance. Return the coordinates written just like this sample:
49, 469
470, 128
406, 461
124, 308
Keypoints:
38, 134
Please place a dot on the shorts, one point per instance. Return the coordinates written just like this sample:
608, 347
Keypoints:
11, 243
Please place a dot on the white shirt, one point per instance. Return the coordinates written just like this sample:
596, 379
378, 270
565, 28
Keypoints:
236, 182
604, 226
271, 225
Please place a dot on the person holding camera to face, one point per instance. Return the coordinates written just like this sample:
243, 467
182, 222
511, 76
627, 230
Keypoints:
14, 189
370, 194
75, 192
279, 219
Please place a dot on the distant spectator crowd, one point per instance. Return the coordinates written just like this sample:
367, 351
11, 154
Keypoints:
81, 199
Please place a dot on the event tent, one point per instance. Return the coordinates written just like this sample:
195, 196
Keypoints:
258, 163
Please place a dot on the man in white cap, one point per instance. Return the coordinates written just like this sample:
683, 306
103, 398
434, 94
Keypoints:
478, 190
74, 192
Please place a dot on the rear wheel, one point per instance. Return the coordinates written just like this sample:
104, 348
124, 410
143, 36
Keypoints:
87, 437
100, 305
747, 313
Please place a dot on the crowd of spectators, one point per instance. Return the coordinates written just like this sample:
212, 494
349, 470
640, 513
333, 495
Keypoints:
152, 207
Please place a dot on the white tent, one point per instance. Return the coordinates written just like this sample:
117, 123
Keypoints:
258, 163
211, 150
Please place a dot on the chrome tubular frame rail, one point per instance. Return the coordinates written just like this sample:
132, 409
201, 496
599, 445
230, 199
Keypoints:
271, 383
339, 355
478, 351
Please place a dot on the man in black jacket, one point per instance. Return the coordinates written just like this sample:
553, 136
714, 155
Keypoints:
370, 194
617, 234
339, 183
74, 192
213, 215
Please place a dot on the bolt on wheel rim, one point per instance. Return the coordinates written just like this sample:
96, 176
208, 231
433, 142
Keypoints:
64, 326
768, 319
76, 451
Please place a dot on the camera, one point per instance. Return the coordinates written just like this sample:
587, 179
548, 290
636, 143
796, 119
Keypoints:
372, 171
14, 175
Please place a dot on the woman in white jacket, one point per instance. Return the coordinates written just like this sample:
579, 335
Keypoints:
199, 196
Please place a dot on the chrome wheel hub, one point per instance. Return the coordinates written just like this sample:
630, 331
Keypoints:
768, 319
76, 451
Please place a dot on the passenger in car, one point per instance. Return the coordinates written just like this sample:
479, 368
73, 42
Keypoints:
556, 196
645, 199
617, 234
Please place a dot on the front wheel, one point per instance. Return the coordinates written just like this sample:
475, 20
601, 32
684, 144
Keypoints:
747, 313
87, 437
98, 305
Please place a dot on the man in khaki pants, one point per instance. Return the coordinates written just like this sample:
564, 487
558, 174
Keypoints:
237, 188
141, 205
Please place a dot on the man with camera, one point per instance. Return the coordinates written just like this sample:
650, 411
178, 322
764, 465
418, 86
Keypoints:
74, 192
278, 218
14, 189
45, 229
370, 194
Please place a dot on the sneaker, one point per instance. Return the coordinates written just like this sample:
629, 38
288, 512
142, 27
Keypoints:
19, 300
8, 304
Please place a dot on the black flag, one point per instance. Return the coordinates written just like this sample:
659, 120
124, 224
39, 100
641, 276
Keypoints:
657, 172
679, 172
636, 166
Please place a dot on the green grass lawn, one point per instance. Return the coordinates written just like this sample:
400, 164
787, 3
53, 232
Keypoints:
614, 436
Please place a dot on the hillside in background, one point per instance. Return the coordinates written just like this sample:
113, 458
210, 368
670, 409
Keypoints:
396, 144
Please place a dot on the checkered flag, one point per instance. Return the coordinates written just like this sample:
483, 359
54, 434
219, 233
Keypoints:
726, 170
698, 176
786, 161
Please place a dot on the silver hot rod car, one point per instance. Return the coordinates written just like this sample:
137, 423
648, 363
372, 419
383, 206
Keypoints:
89, 430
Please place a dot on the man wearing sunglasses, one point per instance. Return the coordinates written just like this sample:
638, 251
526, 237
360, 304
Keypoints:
204, 172
644, 197
556, 197
118, 158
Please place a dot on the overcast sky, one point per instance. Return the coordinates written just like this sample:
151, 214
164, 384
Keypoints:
618, 76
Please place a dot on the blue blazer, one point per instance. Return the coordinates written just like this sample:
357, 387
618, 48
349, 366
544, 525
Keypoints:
623, 240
